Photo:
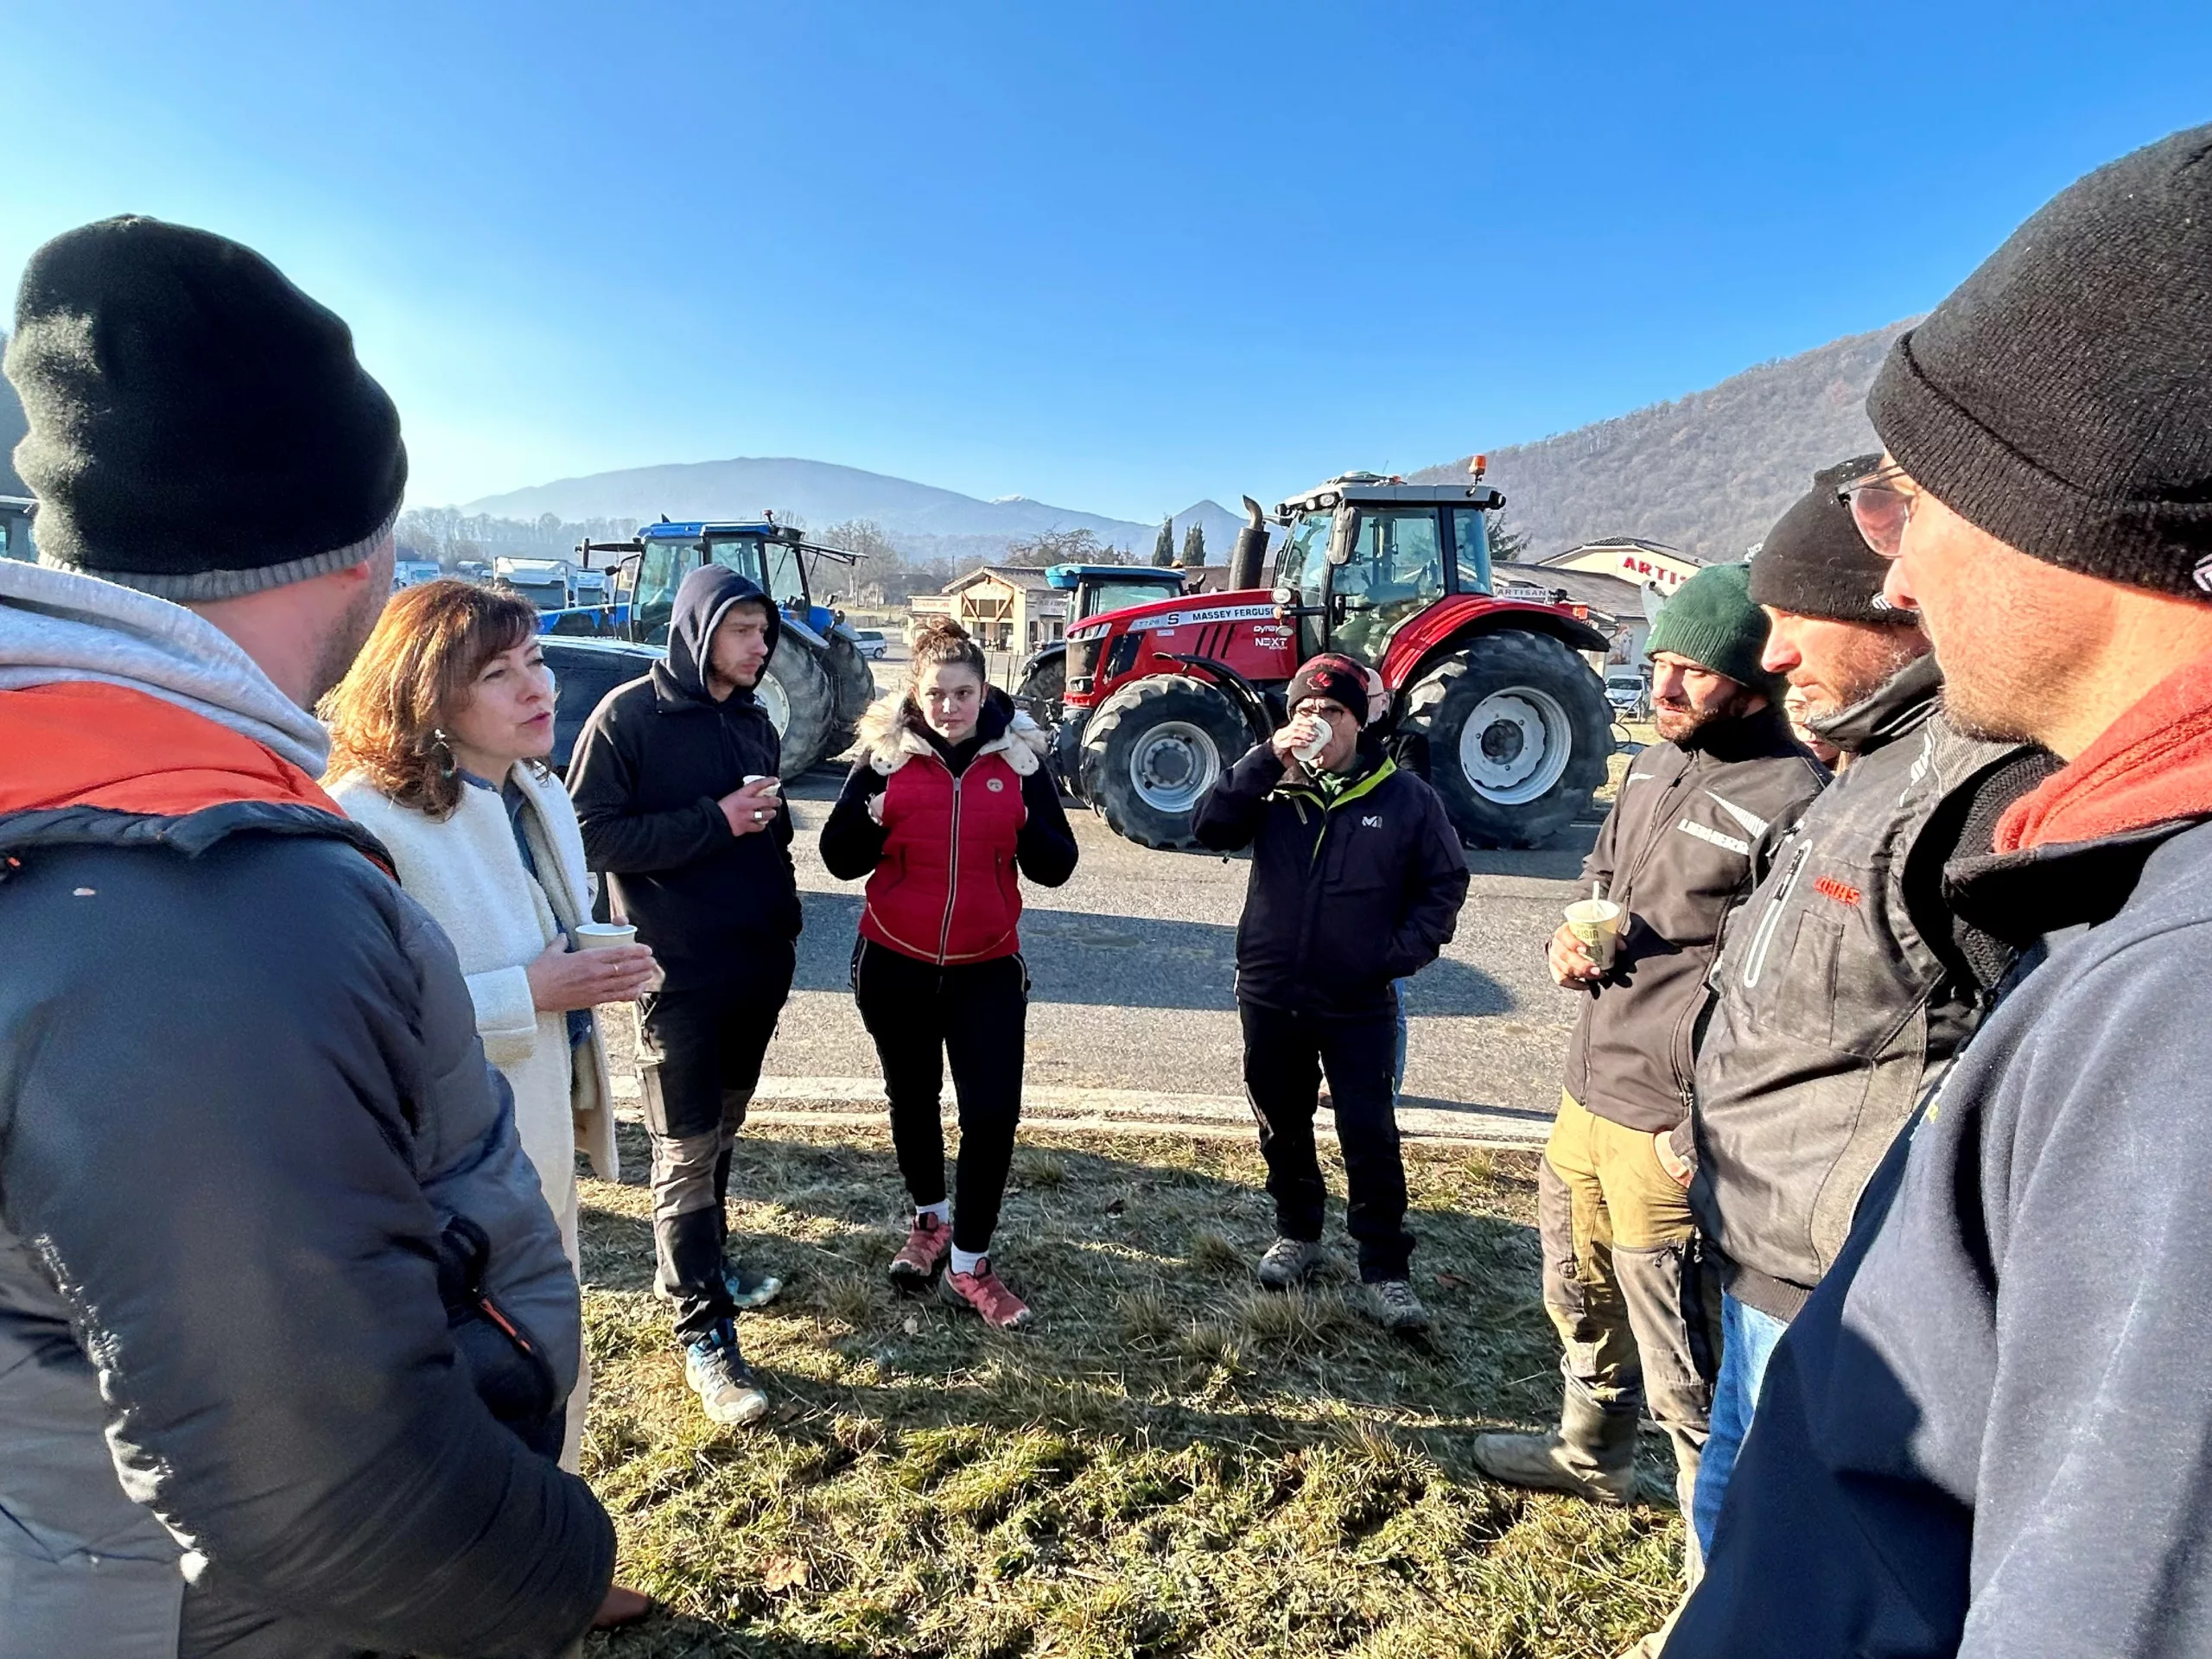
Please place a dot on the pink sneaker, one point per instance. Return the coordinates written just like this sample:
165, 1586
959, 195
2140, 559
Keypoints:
922, 1255
985, 1292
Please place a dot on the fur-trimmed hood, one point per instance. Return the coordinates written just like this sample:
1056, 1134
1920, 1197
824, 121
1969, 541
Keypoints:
891, 734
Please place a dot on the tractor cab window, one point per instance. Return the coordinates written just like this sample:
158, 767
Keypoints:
1395, 572
742, 555
660, 567
1304, 570
786, 582
1106, 594
1470, 545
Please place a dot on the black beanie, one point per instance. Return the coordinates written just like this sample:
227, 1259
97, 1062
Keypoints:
1814, 562
1340, 679
2061, 398
198, 427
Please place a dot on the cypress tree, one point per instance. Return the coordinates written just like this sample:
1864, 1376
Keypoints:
1163, 550
1194, 547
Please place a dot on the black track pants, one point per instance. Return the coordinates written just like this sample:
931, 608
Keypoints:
1285, 1055
972, 1015
699, 1058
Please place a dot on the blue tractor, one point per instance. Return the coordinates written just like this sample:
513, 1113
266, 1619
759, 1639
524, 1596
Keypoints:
815, 686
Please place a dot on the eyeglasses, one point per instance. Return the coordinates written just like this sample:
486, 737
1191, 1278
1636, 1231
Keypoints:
1879, 508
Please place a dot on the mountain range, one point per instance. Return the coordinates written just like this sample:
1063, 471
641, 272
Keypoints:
1708, 474
923, 521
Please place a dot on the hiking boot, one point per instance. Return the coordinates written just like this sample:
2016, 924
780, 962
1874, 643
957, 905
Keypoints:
1395, 1307
922, 1255
719, 1376
987, 1295
748, 1289
1288, 1261
1591, 1455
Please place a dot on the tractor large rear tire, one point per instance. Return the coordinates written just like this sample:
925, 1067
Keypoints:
795, 691
1517, 731
854, 684
1041, 689
1152, 750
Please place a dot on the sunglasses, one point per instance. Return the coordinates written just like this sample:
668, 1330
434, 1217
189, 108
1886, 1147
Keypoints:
1879, 508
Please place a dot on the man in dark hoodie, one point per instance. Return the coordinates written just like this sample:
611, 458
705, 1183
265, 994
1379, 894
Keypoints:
1358, 878
284, 1321
1987, 1432
675, 784
1696, 824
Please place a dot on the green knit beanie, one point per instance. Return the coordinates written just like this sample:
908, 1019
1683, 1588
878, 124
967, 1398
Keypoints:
1711, 621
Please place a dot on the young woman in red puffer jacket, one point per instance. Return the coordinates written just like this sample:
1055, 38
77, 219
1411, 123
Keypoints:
948, 805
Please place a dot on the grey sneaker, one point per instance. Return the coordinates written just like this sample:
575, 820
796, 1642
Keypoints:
719, 1375
1395, 1307
1288, 1261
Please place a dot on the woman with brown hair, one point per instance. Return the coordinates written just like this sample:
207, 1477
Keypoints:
437, 736
948, 799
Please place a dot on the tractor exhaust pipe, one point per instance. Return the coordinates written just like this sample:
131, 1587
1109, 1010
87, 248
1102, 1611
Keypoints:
1245, 564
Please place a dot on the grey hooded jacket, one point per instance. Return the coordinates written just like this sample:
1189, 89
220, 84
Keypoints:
241, 1100
1839, 994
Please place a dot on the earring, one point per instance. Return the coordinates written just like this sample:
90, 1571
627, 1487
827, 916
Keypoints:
441, 749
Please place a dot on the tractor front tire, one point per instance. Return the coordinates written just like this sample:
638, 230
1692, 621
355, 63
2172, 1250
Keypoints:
795, 691
1517, 730
1151, 751
853, 684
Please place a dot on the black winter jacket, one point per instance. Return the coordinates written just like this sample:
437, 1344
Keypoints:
1346, 894
1840, 994
241, 1096
650, 769
1691, 832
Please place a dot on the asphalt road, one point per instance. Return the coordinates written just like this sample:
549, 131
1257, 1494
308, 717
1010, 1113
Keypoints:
1131, 963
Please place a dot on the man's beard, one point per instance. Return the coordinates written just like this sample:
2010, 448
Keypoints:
1682, 726
348, 634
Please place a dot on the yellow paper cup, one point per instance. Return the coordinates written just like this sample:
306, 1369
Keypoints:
1597, 924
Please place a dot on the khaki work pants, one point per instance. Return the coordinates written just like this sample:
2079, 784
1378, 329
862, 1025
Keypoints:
1634, 1297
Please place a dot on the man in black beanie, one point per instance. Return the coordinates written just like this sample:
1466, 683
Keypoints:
1358, 878
1842, 987
1986, 1432
285, 1325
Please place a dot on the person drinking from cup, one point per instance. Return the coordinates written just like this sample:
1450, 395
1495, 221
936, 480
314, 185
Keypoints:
1358, 878
675, 784
948, 805
438, 736
1694, 827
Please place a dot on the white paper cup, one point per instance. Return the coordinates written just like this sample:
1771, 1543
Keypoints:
775, 784
604, 936
1597, 924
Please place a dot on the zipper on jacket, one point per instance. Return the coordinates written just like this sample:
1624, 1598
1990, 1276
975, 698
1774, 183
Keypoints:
952, 873
1762, 940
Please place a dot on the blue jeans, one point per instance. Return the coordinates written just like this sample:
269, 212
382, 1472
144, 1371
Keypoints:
1398, 1071
1747, 1342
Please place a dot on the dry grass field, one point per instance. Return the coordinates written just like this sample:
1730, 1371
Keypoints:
1171, 1462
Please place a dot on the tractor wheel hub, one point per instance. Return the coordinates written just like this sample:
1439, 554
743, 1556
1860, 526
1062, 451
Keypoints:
1515, 744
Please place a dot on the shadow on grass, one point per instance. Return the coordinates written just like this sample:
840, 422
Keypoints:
1172, 1461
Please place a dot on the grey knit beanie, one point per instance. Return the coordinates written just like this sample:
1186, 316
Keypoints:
1711, 621
1814, 562
199, 428
2061, 398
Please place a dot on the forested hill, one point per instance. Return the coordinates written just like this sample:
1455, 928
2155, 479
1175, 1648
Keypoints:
1709, 472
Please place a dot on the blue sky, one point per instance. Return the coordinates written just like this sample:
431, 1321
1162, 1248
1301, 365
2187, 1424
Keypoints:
1116, 256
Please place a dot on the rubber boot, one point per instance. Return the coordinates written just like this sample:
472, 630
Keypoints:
1591, 1455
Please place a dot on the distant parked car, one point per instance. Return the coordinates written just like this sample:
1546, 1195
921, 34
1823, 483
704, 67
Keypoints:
871, 642
1626, 690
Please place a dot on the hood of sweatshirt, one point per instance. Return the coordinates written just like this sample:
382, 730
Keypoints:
701, 601
58, 627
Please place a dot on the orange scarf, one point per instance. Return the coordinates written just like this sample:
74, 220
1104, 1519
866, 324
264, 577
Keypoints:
2152, 765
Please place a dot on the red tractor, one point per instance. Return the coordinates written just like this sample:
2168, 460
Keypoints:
1489, 699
